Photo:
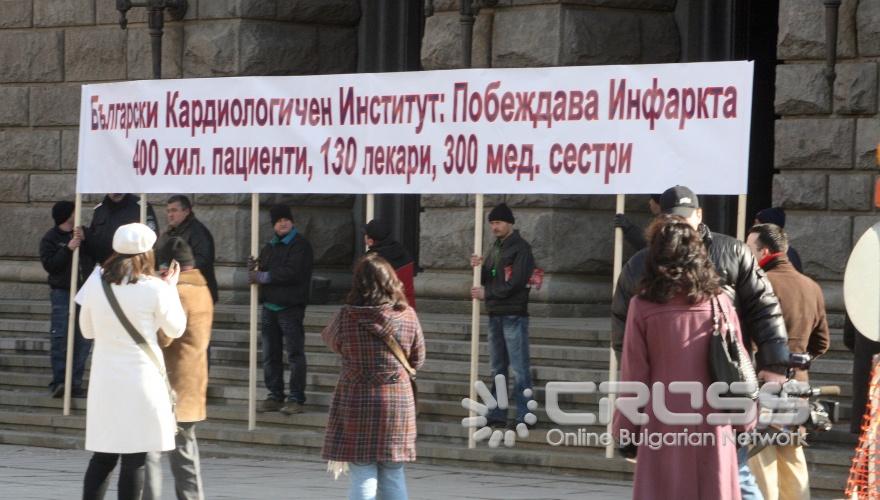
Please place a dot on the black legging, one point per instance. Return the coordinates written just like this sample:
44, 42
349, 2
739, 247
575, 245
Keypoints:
131, 475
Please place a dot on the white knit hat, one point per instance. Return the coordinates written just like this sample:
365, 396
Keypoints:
132, 239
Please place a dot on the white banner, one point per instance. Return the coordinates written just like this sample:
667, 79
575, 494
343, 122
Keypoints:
572, 130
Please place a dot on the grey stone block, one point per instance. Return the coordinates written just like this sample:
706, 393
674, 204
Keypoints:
16, 217
625, 4
140, 56
802, 30
443, 200
446, 240
587, 202
600, 37
533, 36
868, 19
347, 12
800, 191
52, 187
211, 49
16, 14
106, 13
814, 143
49, 13
32, 56
850, 192
55, 105
660, 41
254, 9
331, 233
230, 227
802, 89
13, 106
855, 89
308, 200
337, 50
69, 149
29, 149
94, 54
441, 45
867, 139
823, 242
566, 241
481, 48
222, 199
14, 187
278, 49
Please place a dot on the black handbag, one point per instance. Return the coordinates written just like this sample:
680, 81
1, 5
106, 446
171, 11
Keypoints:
729, 361
140, 341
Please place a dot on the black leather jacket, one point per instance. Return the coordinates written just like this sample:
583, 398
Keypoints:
742, 280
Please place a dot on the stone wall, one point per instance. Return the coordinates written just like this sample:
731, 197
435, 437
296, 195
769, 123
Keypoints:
826, 137
571, 235
51, 47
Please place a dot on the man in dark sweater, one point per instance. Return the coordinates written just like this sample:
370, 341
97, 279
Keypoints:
284, 273
505, 278
56, 254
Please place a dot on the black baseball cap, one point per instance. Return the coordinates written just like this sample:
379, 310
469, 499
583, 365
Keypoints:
679, 200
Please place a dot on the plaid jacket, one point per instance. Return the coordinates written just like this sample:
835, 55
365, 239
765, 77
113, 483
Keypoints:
372, 414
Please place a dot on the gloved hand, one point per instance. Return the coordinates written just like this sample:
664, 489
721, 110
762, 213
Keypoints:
621, 221
259, 277
252, 263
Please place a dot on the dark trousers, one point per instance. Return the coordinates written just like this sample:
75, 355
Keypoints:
58, 342
284, 327
131, 475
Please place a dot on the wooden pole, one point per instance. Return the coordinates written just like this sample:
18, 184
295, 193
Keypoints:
612, 356
143, 207
71, 313
741, 218
252, 349
475, 309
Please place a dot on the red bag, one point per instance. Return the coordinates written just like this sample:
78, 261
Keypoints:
535, 280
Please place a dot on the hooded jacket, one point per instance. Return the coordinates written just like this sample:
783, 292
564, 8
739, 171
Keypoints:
505, 276
742, 280
396, 255
57, 258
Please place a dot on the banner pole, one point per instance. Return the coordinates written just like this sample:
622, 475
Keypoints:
741, 218
252, 349
71, 312
143, 207
612, 356
370, 210
475, 309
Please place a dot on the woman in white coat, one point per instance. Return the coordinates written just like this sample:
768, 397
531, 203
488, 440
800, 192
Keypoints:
129, 407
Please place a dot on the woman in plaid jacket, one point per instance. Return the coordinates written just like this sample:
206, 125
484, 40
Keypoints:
372, 424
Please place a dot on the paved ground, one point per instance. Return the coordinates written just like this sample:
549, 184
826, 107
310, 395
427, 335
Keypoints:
28, 473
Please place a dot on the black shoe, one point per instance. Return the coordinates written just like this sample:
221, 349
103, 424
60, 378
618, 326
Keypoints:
56, 391
79, 393
497, 424
269, 405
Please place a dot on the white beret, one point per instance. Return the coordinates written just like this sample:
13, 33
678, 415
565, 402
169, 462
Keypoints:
132, 239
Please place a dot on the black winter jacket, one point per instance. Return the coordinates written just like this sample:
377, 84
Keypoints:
201, 241
108, 216
290, 272
508, 295
742, 280
57, 258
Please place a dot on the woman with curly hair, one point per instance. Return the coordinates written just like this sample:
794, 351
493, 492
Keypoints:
668, 331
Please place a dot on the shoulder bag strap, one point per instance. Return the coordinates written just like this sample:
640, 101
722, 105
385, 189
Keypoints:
395, 349
135, 335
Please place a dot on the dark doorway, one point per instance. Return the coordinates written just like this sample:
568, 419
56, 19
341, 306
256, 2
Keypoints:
390, 39
720, 30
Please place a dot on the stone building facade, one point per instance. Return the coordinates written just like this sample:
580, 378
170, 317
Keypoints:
825, 137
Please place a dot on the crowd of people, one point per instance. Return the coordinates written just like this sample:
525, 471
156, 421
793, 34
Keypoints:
147, 311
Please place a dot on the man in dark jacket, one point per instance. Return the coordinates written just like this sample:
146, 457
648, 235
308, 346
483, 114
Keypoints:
505, 275
182, 223
783, 469
776, 215
378, 239
117, 209
284, 273
745, 283
56, 254
633, 234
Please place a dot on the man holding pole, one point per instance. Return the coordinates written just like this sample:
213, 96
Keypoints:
117, 209
505, 278
284, 273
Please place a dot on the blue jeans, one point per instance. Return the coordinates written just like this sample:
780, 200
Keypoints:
747, 485
284, 327
509, 349
383, 480
58, 342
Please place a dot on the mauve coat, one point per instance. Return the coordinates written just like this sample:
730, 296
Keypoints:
372, 414
667, 343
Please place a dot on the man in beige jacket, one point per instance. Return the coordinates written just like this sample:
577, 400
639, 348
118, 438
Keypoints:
186, 360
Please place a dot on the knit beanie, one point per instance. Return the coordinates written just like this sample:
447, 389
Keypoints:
774, 215
280, 212
62, 211
503, 213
